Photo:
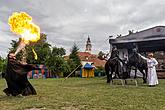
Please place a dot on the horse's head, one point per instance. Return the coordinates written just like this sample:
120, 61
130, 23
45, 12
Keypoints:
134, 57
134, 51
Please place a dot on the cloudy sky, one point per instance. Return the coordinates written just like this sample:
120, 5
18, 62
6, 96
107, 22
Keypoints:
71, 21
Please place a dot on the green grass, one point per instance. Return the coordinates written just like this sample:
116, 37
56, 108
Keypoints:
86, 94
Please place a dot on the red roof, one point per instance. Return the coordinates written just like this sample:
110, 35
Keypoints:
86, 56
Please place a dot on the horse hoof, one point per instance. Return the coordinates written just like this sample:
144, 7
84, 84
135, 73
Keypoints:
6, 92
144, 82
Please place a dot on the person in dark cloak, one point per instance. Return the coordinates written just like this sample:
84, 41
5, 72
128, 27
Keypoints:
115, 54
16, 77
113, 64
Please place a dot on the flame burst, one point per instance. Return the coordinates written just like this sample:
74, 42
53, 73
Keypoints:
21, 24
35, 54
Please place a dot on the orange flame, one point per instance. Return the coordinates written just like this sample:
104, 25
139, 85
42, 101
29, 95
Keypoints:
21, 24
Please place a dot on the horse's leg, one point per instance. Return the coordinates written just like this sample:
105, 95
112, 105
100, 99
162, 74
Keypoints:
135, 73
129, 72
114, 70
107, 70
111, 79
118, 74
125, 81
108, 76
117, 71
144, 76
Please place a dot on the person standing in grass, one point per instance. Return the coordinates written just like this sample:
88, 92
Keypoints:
152, 76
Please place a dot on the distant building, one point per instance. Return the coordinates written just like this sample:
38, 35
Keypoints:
88, 57
88, 45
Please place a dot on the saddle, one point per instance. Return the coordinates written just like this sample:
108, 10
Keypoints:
113, 61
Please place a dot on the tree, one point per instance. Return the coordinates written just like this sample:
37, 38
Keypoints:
3, 63
74, 60
56, 62
99, 71
51, 57
42, 50
58, 51
41, 47
14, 44
101, 55
74, 55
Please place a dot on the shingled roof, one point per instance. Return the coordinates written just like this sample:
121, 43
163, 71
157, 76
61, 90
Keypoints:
154, 33
86, 56
152, 39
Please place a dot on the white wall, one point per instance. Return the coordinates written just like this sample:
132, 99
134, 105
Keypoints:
123, 53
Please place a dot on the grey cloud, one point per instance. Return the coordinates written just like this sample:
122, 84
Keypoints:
68, 21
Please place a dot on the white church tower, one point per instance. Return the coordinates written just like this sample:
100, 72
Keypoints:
88, 45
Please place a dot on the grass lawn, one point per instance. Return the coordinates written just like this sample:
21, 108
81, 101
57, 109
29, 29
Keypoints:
86, 94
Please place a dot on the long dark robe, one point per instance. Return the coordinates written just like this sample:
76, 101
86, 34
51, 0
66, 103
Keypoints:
115, 53
16, 78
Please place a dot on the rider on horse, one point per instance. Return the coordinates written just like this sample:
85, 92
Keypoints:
113, 64
115, 54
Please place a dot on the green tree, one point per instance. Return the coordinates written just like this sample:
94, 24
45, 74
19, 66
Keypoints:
52, 58
99, 71
58, 51
101, 55
42, 49
74, 60
14, 44
56, 62
3, 63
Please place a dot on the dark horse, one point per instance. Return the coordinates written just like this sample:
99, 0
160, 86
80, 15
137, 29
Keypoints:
119, 67
135, 60
114, 65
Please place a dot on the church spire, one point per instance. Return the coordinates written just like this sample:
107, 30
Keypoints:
88, 45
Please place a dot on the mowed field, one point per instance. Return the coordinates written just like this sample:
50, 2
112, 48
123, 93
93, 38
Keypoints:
86, 94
